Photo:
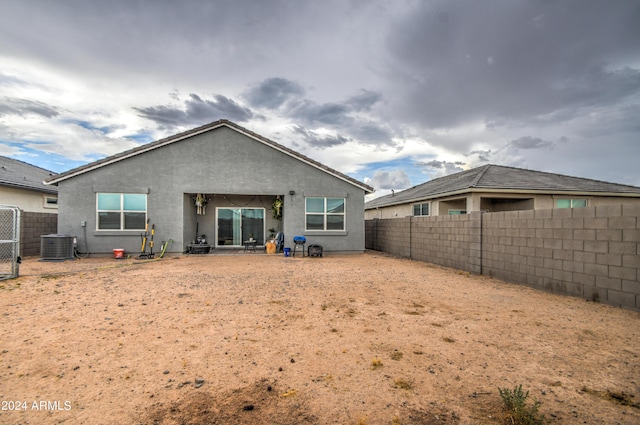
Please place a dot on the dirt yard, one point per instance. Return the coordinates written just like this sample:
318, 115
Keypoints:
264, 339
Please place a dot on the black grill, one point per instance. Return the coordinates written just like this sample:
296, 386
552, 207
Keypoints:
314, 251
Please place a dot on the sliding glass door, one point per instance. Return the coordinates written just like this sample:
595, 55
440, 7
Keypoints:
236, 225
253, 224
229, 226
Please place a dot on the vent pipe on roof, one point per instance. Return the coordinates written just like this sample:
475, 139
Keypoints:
393, 192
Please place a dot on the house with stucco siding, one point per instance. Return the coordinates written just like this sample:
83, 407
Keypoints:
219, 182
21, 185
493, 188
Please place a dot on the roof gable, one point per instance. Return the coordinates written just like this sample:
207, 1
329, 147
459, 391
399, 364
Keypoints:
200, 130
19, 174
502, 178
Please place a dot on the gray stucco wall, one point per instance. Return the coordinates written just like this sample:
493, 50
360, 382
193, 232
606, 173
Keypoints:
221, 161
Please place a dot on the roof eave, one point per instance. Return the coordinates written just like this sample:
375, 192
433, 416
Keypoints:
557, 192
422, 198
27, 187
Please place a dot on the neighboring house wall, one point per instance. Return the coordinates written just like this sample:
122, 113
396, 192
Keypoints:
493, 202
27, 200
221, 161
37, 217
394, 211
591, 252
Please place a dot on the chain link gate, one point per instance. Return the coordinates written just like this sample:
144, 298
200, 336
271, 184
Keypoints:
9, 242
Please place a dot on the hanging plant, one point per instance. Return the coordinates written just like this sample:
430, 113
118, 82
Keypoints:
276, 207
201, 204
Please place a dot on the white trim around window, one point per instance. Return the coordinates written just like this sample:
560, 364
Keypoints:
121, 211
49, 201
325, 214
421, 210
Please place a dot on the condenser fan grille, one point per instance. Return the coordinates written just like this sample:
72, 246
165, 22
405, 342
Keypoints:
56, 247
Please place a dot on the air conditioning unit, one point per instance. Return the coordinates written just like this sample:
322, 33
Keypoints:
56, 247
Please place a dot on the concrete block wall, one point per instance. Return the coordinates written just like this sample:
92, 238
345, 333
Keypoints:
450, 241
370, 241
389, 235
32, 226
592, 252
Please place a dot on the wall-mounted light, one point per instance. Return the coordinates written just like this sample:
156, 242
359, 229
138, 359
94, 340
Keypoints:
292, 192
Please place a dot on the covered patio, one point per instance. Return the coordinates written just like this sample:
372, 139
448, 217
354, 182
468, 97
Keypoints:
226, 222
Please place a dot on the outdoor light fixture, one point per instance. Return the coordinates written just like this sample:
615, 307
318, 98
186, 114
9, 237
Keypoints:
292, 192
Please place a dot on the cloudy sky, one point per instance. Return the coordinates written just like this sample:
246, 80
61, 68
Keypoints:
393, 93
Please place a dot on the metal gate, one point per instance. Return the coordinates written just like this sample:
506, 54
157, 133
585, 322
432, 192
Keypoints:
9, 242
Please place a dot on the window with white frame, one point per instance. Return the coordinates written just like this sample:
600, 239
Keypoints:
324, 213
121, 211
571, 203
49, 201
421, 209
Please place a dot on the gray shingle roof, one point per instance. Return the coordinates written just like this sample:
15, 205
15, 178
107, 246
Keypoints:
19, 174
208, 127
507, 179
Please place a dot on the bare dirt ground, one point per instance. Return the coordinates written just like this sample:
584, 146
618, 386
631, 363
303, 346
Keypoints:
264, 339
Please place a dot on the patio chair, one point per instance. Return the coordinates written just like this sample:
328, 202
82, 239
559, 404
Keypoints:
279, 242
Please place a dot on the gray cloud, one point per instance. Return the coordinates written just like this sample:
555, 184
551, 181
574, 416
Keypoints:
334, 113
336, 117
344, 117
482, 155
403, 74
443, 167
196, 41
511, 152
527, 142
317, 140
10, 80
614, 123
387, 180
372, 133
364, 100
469, 60
22, 107
272, 93
196, 111
311, 113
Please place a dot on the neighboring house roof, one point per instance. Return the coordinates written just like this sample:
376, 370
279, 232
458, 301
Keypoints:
21, 175
199, 130
497, 178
